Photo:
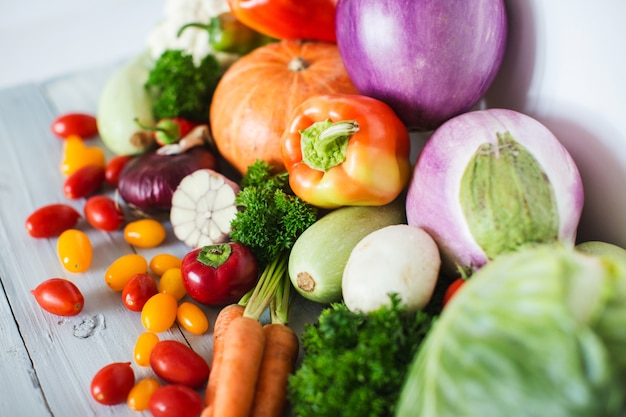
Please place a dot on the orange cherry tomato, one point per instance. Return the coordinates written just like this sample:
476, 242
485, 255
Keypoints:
192, 318
139, 396
75, 250
77, 155
123, 269
143, 348
59, 296
144, 233
159, 312
164, 261
171, 282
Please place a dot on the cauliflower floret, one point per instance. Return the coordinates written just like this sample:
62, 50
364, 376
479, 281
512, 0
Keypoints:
194, 41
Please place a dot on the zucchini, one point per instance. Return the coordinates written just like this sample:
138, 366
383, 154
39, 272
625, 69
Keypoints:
319, 255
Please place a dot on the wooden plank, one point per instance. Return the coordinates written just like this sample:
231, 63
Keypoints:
59, 356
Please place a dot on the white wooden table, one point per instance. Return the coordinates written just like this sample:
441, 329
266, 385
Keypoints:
46, 361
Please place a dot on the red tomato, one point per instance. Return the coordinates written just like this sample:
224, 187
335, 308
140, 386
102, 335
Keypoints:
84, 181
103, 213
114, 167
176, 363
59, 296
79, 124
51, 220
175, 401
112, 383
138, 290
452, 289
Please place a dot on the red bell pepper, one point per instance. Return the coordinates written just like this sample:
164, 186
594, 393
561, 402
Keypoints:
346, 149
288, 19
219, 274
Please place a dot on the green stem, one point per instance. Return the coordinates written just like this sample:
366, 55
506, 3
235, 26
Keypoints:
266, 289
325, 143
280, 305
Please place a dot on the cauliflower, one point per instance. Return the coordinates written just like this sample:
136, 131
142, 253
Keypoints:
193, 41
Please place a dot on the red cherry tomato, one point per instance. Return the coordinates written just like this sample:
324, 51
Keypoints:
51, 220
452, 289
177, 363
138, 290
112, 383
59, 296
84, 181
175, 401
79, 124
103, 213
114, 167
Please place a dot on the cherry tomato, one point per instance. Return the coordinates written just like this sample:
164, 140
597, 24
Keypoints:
175, 401
192, 318
75, 124
138, 290
144, 233
122, 270
111, 384
76, 155
177, 363
103, 213
164, 261
452, 289
171, 282
59, 296
84, 181
75, 250
139, 396
143, 347
114, 167
159, 312
51, 220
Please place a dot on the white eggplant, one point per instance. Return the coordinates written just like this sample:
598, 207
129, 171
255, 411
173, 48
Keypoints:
398, 259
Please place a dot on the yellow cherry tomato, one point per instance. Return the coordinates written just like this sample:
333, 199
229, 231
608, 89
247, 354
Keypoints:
143, 347
76, 155
171, 282
123, 269
144, 233
75, 250
159, 312
192, 318
139, 396
164, 261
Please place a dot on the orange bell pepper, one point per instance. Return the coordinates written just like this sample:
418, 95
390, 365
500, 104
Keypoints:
344, 149
288, 19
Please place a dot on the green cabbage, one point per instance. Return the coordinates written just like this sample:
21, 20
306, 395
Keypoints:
539, 332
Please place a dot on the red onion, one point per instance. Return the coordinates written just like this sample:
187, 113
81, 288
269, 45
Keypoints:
149, 181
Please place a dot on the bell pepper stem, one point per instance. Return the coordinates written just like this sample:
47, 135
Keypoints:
324, 143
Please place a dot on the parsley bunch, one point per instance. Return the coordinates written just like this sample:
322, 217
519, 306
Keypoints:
355, 363
179, 88
269, 220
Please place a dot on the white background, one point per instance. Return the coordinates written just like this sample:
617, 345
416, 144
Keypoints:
43, 39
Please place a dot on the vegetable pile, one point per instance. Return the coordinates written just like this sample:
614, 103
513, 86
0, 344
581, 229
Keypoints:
279, 150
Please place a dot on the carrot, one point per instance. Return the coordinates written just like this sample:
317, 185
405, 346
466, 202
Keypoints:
279, 359
244, 342
222, 321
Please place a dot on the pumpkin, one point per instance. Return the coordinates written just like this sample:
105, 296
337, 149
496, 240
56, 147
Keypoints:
255, 97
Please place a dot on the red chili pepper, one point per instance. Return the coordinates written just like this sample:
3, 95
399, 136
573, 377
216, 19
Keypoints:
288, 19
346, 150
170, 130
